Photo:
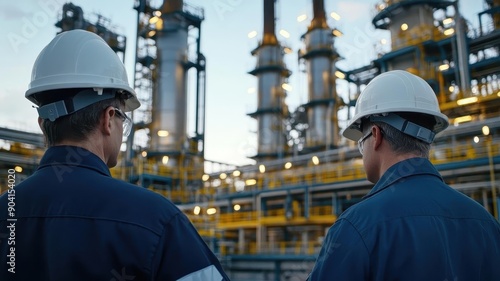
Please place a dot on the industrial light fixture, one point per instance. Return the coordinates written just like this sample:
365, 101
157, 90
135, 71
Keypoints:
462, 119
164, 160
211, 211
467, 101
447, 21
315, 160
250, 182
284, 33
335, 16
337, 32
223, 176
153, 20
197, 210
476, 139
286, 87
262, 168
236, 173
404, 26
302, 18
18, 169
451, 89
444, 67
163, 133
157, 13
288, 165
144, 153
449, 31
485, 130
252, 34
205, 177
237, 207
339, 74
151, 33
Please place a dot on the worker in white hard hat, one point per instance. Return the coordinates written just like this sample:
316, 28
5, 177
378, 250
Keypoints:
411, 225
71, 220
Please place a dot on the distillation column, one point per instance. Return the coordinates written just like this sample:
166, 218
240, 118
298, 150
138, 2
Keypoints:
169, 111
319, 56
270, 72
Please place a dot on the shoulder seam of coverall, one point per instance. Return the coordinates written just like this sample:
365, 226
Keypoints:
357, 231
177, 214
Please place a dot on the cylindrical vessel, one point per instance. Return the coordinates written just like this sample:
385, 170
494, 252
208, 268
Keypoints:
169, 112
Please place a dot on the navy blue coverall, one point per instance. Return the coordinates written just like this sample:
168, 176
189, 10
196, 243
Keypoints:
75, 222
411, 226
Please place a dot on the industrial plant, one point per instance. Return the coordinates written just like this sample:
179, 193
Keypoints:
267, 221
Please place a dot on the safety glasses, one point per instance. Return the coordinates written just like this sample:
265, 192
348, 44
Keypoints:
127, 122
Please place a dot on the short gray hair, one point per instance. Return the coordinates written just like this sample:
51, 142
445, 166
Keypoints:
400, 142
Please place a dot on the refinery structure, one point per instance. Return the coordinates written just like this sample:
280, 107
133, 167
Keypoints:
267, 221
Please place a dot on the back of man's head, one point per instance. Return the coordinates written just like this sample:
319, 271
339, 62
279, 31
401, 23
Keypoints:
74, 78
402, 101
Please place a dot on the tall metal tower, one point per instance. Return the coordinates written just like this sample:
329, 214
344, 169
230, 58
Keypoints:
319, 55
270, 72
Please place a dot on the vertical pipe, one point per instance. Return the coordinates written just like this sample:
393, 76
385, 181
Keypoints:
307, 202
319, 9
170, 6
259, 230
130, 138
200, 95
319, 19
442, 95
496, 16
269, 24
277, 270
492, 176
241, 241
485, 200
463, 55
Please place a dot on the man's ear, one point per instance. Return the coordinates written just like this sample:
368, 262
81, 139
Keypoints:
106, 124
377, 136
40, 122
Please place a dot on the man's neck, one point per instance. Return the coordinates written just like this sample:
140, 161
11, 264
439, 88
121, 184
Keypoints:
89, 144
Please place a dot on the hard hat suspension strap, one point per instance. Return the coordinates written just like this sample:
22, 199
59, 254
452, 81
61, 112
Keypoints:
84, 98
405, 126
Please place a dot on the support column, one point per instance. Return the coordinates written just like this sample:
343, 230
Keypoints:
241, 241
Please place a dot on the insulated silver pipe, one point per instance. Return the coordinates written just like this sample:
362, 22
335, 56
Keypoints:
463, 54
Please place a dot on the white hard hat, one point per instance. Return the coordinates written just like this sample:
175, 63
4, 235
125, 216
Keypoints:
397, 91
80, 59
